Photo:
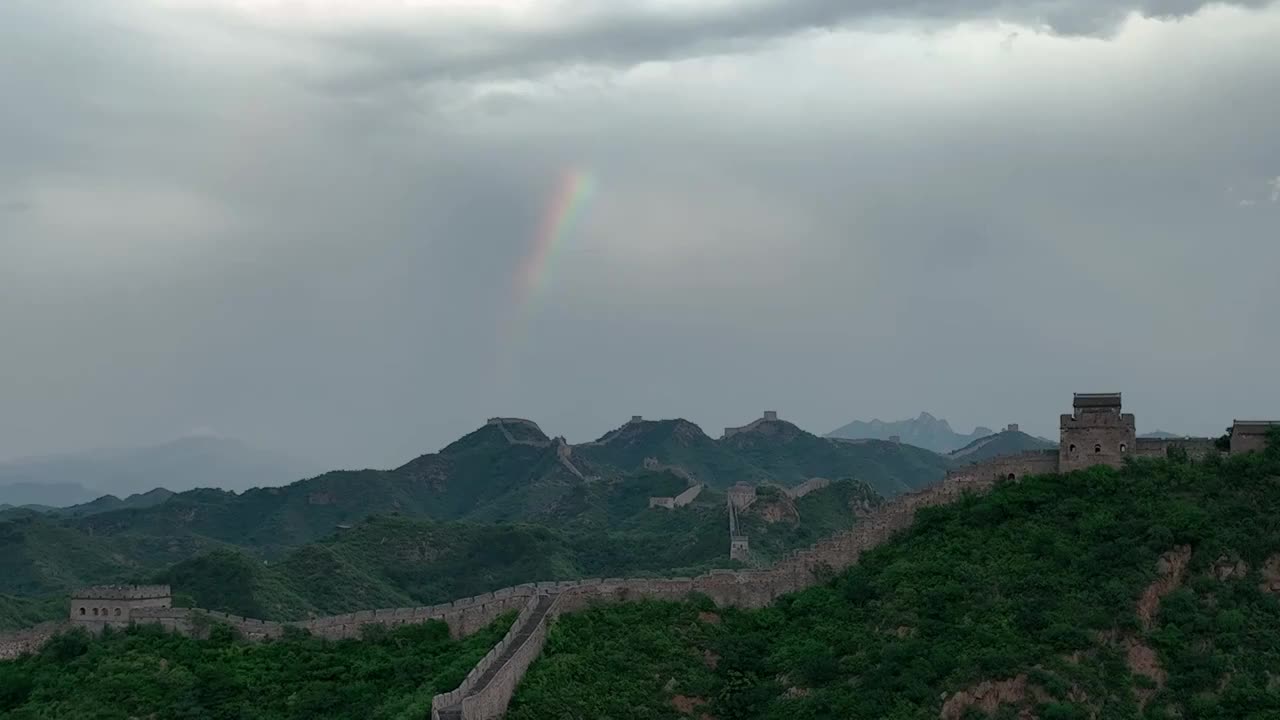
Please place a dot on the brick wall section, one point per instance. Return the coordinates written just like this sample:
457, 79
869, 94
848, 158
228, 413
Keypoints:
681, 500
1250, 435
1036, 462
806, 487
456, 696
1158, 447
15, 645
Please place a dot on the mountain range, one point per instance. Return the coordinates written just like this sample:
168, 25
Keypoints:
924, 431
508, 486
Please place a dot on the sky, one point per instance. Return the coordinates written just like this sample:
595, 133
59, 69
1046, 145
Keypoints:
352, 231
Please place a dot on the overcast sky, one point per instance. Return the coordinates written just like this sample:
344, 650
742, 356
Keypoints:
314, 224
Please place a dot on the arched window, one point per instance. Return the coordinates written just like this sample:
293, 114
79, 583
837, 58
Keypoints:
95, 612
117, 612
1072, 448
104, 612
81, 611
1012, 476
1097, 449
1124, 447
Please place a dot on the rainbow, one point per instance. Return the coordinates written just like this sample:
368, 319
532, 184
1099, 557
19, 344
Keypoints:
573, 190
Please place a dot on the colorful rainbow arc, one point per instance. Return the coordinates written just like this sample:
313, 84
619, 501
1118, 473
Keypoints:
573, 191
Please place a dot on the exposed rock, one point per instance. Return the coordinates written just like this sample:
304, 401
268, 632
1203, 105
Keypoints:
686, 705
709, 617
1172, 568
1225, 568
1271, 575
988, 696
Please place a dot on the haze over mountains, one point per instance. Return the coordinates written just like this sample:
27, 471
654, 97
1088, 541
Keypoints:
924, 431
183, 464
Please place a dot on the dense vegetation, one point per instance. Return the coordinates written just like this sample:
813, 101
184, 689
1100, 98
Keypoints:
1038, 586
482, 514
397, 562
1009, 442
145, 672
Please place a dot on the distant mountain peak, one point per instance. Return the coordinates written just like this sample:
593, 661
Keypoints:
925, 430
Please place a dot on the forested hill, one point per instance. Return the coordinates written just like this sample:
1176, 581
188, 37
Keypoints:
506, 473
1147, 592
1008, 442
486, 476
396, 560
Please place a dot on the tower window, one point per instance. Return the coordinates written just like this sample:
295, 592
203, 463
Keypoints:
117, 612
1012, 477
95, 612
1072, 448
81, 611
1097, 449
1124, 447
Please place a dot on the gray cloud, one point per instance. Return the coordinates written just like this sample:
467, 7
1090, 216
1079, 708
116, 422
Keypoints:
853, 223
417, 53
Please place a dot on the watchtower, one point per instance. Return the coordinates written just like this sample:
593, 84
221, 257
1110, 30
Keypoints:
103, 605
1096, 433
1250, 435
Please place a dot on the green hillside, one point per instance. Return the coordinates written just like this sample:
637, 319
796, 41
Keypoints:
677, 443
1008, 442
789, 456
584, 510
1140, 593
396, 561
146, 673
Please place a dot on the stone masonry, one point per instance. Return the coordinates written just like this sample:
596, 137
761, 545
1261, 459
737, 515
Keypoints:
115, 605
1098, 432
1250, 435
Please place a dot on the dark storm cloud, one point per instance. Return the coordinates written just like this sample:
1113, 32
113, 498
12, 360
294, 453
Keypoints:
628, 34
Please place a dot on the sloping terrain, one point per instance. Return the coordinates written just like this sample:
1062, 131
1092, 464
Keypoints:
396, 561
1148, 592
1009, 442
592, 498
148, 673
676, 443
789, 456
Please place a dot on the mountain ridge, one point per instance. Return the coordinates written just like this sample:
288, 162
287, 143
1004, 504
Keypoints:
924, 431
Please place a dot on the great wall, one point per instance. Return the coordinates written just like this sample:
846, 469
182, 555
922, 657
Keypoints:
488, 688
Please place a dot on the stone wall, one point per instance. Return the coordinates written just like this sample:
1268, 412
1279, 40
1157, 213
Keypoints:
806, 487
681, 500
1036, 462
463, 617
1159, 447
98, 607
456, 696
492, 698
1250, 435
15, 645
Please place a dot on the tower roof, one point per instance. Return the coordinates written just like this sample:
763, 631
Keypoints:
1097, 400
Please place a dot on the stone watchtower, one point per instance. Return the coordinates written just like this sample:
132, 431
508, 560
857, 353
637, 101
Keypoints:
1096, 433
98, 607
